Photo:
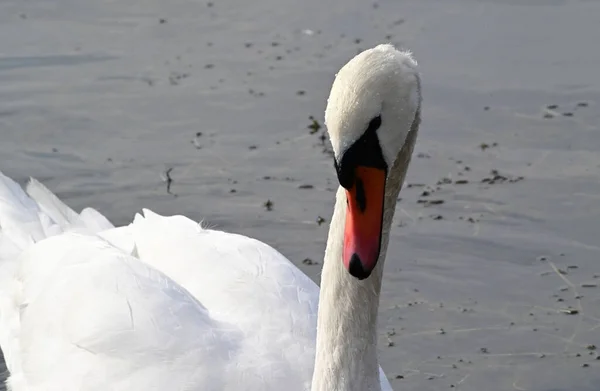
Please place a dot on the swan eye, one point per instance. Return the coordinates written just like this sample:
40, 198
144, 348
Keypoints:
374, 124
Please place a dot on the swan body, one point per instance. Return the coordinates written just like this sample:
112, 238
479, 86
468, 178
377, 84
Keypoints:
164, 304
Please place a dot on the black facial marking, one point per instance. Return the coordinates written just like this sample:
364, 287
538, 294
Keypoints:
361, 198
374, 124
366, 152
356, 268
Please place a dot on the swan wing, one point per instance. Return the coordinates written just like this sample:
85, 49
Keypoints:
83, 309
91, 317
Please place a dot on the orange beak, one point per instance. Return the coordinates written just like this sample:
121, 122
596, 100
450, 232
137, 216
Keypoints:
364, 217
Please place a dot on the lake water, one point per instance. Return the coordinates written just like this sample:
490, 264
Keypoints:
492, 286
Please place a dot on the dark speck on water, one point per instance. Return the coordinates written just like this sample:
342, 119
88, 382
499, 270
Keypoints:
569, 311
169, 179
485, 146
268, 205
314, 125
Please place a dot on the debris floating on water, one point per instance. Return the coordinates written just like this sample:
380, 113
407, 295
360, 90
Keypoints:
268, 205
308, 261
569, 311
314, 126
168, 179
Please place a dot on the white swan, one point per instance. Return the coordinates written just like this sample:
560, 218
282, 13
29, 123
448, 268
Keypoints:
163, 304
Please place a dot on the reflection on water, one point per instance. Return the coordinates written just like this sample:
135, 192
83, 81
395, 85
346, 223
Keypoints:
8, 63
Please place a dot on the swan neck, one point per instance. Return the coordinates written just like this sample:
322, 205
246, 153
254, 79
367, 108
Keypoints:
346, 357
346, 349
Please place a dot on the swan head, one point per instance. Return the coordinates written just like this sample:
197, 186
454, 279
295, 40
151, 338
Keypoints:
372, 105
